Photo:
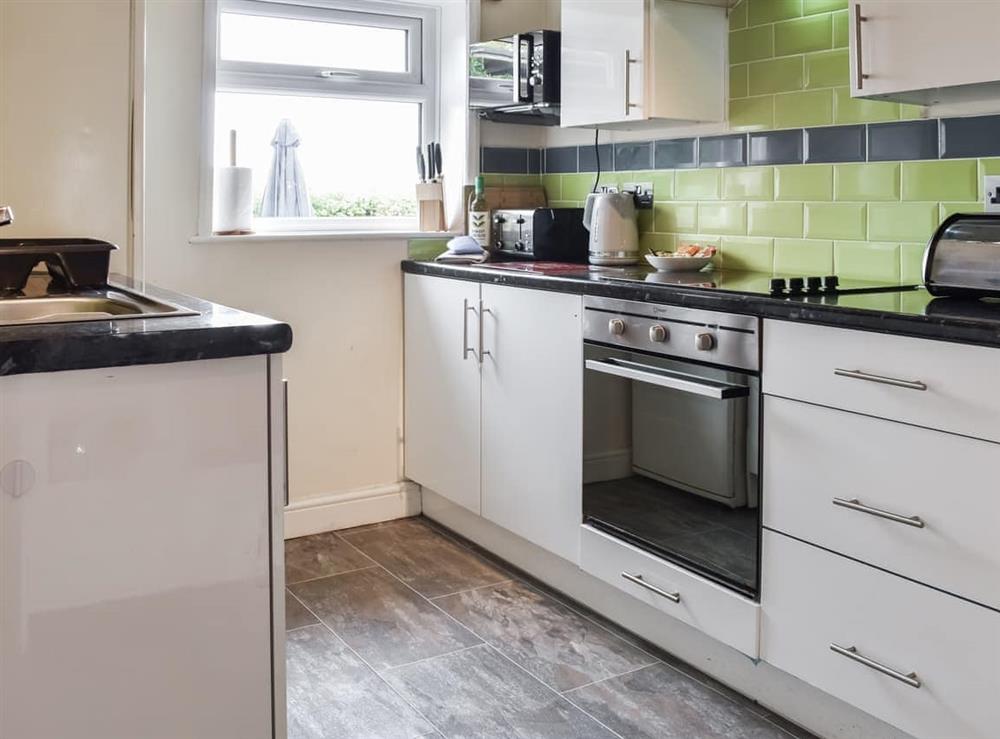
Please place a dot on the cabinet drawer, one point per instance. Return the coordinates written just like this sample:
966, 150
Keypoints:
890, 467
724, 615
813, 599
802, 361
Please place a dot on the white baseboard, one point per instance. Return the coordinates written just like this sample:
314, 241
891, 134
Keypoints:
352, 508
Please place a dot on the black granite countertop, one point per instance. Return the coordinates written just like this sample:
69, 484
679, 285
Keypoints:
908, 312
213, 332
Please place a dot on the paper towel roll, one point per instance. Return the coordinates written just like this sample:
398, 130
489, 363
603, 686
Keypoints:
233, 200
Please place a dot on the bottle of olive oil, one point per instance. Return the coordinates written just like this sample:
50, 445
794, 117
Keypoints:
479, 215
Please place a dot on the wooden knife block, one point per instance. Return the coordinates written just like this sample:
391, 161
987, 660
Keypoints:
430, 205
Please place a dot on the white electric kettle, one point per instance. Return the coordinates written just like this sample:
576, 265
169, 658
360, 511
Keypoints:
614, 236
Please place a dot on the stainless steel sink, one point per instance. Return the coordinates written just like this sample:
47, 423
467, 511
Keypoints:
89, 305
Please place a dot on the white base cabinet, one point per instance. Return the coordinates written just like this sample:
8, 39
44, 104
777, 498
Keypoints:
943, 652
493, 409
138, 511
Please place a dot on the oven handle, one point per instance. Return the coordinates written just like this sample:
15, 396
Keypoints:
666, 378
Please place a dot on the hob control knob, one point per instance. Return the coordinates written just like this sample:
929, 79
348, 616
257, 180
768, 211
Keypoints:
795, 284
813, 284
830, 283
616, 326
657, 333
777, 285
704, 342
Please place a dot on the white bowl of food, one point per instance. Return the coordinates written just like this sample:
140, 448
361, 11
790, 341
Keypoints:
685, 259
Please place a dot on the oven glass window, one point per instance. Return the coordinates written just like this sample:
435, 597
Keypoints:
670, 461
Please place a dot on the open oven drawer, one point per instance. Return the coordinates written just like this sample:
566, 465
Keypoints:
710, 608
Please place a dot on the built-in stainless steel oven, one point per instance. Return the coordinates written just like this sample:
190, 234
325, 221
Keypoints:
671, 435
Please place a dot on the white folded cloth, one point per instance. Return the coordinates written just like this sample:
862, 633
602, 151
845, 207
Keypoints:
463, 250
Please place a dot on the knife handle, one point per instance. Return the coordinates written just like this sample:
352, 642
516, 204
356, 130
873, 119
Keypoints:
421, 167
437, 159
430, 162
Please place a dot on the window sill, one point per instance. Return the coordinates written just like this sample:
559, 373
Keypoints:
313, 236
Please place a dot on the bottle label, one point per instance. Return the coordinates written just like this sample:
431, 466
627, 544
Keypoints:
479, 227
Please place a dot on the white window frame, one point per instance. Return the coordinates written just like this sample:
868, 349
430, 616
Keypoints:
419, 84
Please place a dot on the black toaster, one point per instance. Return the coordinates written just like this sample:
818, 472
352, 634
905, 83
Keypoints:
541, 234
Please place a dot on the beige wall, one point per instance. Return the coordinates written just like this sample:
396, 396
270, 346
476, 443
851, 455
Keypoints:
64, 118
343, 300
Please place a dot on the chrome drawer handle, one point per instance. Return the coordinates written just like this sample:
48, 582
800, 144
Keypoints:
881, 379
856, 505
466, 349
637, 579
910, 678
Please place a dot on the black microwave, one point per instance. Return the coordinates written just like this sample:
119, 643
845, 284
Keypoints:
516, 78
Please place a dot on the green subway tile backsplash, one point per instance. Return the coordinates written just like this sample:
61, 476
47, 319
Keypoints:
774, 219
698, 184
813, 33
822, 6
769, 11
800, 109
803, 182
827, 69
776, 75
722, 218
866, 261
803, 257
954, 180
748, 183
750, 44
738, 84
752, 114
902, 221
836, 221
747, 253
866, 181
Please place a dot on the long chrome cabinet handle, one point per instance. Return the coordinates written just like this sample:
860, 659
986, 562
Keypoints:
856, 505
881, 379
910, 678
284, 410
465, 329
629, 61
483, 352
858, 20
637, 579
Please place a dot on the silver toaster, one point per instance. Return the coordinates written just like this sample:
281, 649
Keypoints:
963, 256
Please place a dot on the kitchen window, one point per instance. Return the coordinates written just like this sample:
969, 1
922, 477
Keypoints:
329, 100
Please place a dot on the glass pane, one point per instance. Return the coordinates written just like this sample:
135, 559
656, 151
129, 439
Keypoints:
356, 157
260, 38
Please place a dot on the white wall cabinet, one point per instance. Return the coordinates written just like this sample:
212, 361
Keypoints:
628, 63
138, 509
493, 418
923, 52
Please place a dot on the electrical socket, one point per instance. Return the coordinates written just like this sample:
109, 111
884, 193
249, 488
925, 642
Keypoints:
991, 193
643, 192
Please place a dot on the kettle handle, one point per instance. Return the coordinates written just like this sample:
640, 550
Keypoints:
588, 210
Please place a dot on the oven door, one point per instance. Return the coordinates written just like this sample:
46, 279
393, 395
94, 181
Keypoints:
670, 461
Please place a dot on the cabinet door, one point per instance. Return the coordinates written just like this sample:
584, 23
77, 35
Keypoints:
598, 85
532, 415
442, 381
913, 45
135, 572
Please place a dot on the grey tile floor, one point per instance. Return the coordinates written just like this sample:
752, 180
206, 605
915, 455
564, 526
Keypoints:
402, 629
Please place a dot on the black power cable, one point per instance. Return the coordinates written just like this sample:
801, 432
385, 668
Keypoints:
597, 154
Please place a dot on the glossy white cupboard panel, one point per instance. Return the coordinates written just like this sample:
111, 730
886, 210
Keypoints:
135, 558
812, 598
924, 52
710, 608
801, 361
532, 415
808, 463
443, 388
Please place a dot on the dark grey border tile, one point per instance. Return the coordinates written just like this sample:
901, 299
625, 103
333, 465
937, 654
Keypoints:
977, 136
834, 144
561, 160
776, 147
902, 141
722, 151
534, 161
675, 154
588, 161
633, 155
503, 160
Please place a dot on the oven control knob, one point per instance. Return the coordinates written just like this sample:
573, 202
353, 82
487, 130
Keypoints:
657, 333
616, 326
704, 342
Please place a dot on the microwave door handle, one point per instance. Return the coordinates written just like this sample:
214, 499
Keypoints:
523, 53
666, 378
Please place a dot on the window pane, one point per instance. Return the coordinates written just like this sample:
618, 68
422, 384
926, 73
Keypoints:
356, 156
258, 38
